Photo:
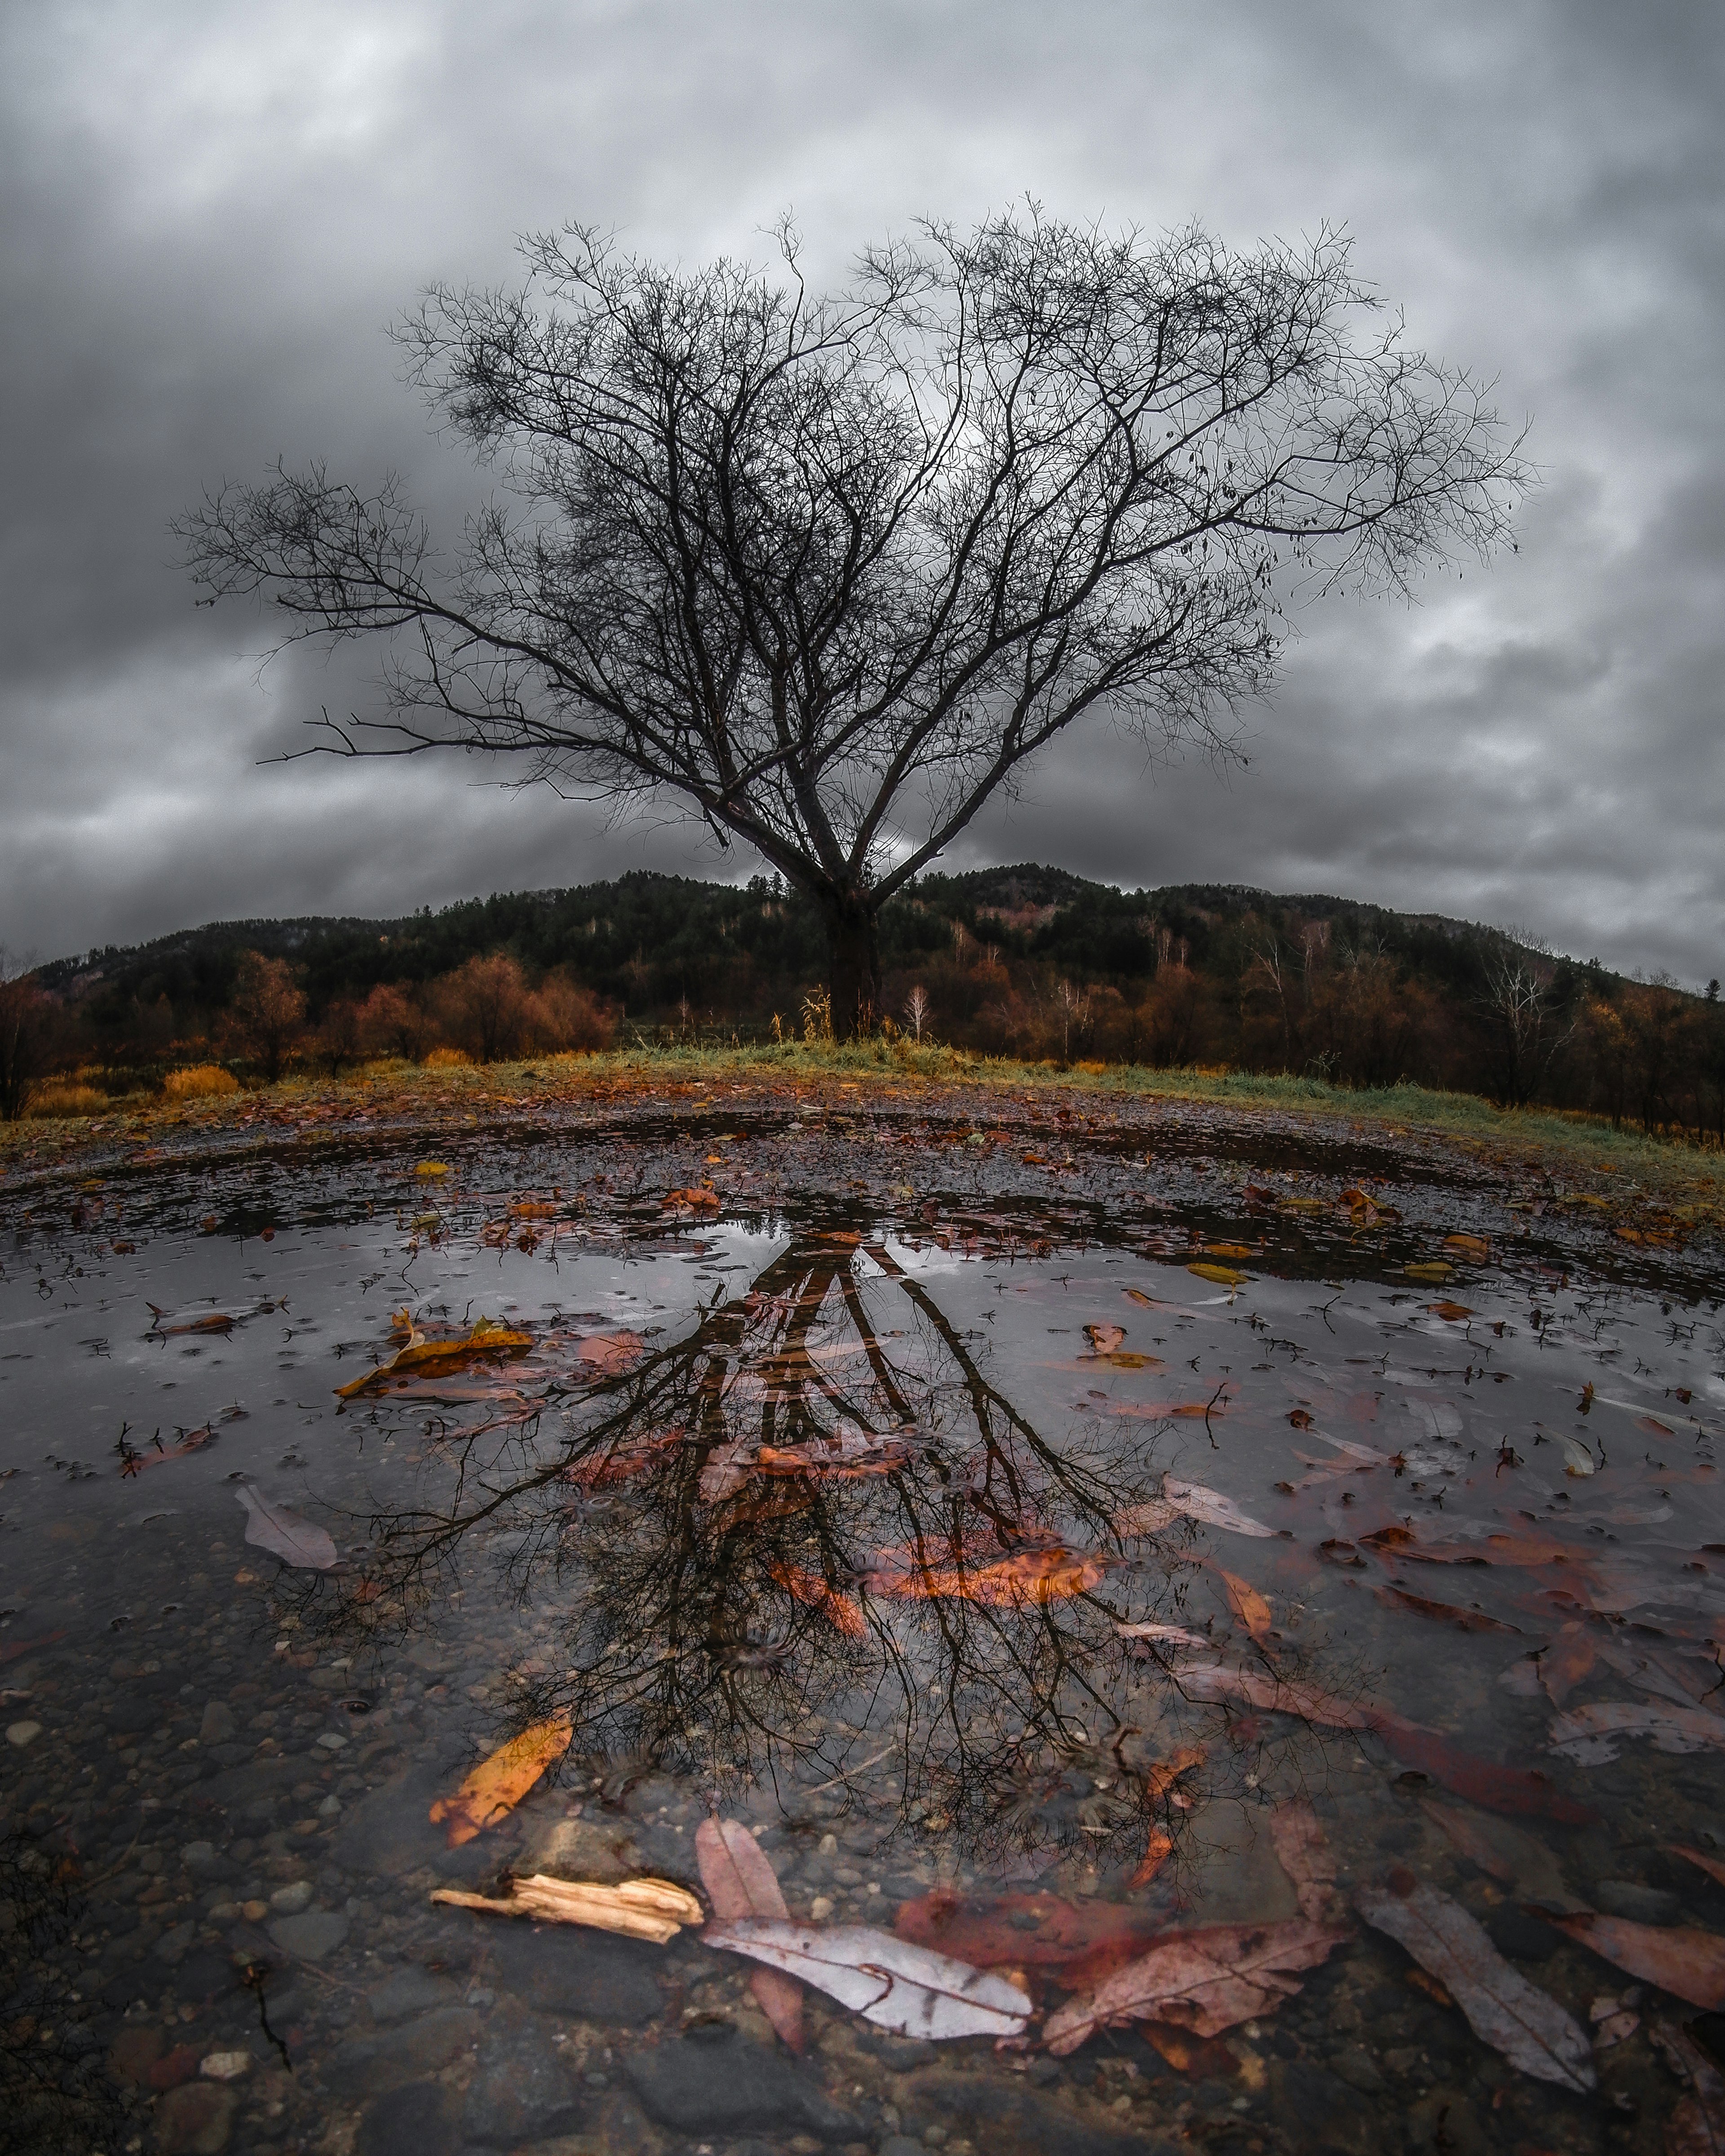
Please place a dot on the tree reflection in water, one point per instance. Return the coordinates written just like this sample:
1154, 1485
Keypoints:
810, 1544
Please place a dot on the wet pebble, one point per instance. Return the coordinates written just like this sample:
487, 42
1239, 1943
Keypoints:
522, 2090
22, 1733
310, 1937
195, 2120
732, 2087
422, 2119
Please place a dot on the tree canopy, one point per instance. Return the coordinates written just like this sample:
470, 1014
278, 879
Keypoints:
834, 569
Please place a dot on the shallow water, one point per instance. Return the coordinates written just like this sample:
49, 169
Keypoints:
812, 1501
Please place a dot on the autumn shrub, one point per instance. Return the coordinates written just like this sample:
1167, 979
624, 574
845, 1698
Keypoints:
482, 1007
563, 1015
30, 1024
393, 1021
448, 1058
66, 1099
201, 1081
267, 1012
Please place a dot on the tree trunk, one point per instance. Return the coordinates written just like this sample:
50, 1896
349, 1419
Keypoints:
853, 964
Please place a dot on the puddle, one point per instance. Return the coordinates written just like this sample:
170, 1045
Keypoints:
1035, 1539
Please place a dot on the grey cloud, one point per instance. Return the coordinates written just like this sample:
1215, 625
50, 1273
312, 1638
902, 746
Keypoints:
213, 211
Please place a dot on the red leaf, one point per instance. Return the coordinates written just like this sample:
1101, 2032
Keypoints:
736, 1875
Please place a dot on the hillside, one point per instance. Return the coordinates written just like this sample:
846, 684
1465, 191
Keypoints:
1024, 960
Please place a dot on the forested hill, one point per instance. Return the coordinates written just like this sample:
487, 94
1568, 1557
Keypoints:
1029, 962
647, 942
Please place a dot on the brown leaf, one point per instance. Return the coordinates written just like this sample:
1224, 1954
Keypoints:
1281, 1696
1303, 1850
1300, 1417
1037, 1576
741, 1882
1205, 1980
607, 1353
1689, 1964
1467, 1620
1158, 1847
1565, 1662
1696, 2125
842, 1611
1452, 1313
1713, 1866
494, 1788
1504, 2010
1475, 1247
487, 1338
1248, 1606
1104, 1339
1079, 1942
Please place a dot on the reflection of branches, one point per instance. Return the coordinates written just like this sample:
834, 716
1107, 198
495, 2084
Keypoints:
791, 1537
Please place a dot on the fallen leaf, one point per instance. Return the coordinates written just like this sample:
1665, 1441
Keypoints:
1436, 1270
1104, 1339
1300, 1417
1565, 1662
841, 1461
487, 1338
295, 1541
1248, 1606
1205, 1980
1508, 1854
1223, 1275
1172, 1636
1696, 2125
1302, 1849
1578, 1458
896, 1984
429, 1169
1037, 1575
1504, 2010
1229, 1250
1482, 1781
652, 1909
1475, 1247
497, 1784
742, 1882
1713, 1866
1200, 2058
1212, 1507
609, 1353
1158, 1847
842, 1611
1079, 1942
1213, 1681
1689, 1964
1672, 1728
1452, 1313
1467, 1620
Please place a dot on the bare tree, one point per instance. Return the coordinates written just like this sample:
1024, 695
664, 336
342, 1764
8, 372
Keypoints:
833, 570
916, 1010
1527, 1025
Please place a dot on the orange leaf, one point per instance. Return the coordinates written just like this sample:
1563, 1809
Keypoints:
1031, 1575
1248, 1606
1158, 1850
1469, 1246
1452, 1313
1713, 1865
497, 1785
1689, 1964
844, 1612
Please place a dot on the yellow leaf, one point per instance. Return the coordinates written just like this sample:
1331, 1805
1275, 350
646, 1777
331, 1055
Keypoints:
430, 1167
1224, 1276
487, 1338
497, 1785
1437, 1270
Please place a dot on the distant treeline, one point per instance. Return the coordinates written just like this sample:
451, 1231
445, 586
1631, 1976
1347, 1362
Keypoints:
1026, 961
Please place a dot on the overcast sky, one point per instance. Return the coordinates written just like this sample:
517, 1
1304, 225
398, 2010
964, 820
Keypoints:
213, 212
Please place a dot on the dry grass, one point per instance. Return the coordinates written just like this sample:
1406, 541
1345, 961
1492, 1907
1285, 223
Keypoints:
203, 1081
68, 1100
449, 1058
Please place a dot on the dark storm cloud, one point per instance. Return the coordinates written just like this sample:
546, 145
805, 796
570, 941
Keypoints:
213, 211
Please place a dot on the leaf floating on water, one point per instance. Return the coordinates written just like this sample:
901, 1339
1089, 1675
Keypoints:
896, 1984
1248, 1606
427, 1169
1436, 1270
296, 1541
1223, 1275
494, 1788
1300, 1417
1158, 1847
1565, 1662
1037, 1575
1302, 1849
1467, 1620
1205, 1980
1504, 2010
742, 1882
1689, 1964
1104, 1339
1578, 1458
1713, 1866
1473, 1247
653, 1909
609, 1353
1584, 1729
487, 1338
1452, 1313
1213, 1681
1172, 1635
1212, 1507
842, 1611
1081, 1942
